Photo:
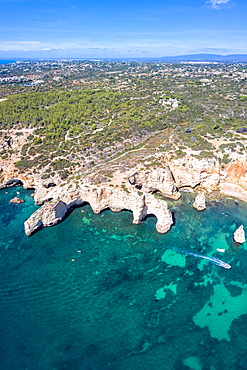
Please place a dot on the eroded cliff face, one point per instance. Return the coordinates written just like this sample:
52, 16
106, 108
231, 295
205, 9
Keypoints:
191, 172
236, 172
10, 177
160, 179
99, 198
58, 197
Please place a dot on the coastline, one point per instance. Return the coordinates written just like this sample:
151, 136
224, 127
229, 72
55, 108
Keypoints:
134, 189
233, 190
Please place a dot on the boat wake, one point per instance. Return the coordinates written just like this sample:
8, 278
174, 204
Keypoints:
214, 260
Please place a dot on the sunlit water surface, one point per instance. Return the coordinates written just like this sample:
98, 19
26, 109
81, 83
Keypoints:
127, 300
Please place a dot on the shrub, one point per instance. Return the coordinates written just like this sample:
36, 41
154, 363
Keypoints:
37, 141
225, 159
24, 164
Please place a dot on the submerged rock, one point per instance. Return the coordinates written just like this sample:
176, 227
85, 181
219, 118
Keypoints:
200, 202
239, 235
17, 201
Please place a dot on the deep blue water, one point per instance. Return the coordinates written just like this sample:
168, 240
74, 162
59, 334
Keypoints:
7, 61
128, 301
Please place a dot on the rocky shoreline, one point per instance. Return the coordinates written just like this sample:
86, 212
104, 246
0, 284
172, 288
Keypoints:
100, 199
137, 194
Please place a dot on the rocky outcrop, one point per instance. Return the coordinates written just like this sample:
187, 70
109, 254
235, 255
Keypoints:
8, 178
17, 201
48, 215
236, 173
101, 198
200, 202
239, 235
160, 209
57, 197
191, 172
160, 179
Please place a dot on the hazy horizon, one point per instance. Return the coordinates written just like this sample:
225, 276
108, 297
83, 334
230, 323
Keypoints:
110, 29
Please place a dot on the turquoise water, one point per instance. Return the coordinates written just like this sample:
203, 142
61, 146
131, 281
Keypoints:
128, 301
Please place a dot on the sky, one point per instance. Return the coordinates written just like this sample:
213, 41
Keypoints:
121, 29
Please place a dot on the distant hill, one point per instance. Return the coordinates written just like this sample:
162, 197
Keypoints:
207, 58
179, 58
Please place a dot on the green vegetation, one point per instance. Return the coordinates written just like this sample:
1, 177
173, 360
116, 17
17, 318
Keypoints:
85, 114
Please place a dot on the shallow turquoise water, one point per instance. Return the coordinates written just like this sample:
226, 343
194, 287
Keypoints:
128, 301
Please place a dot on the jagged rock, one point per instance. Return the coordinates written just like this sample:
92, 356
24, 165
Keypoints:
101, 198
17, 201
160, 209
8, 179
239, 235
49, 214
200, 202
190, 172
160, 179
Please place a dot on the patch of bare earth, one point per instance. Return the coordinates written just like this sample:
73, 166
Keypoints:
237, 169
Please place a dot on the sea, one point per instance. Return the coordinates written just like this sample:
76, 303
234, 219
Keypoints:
97, 292
7, 61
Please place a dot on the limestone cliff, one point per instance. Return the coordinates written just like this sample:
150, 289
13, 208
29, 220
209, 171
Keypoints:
10, 178
99, 198
236, 172
160, 179
57, 197
190, 172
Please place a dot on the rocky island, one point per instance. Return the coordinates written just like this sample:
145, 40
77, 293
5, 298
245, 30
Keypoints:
239, 235
17, 201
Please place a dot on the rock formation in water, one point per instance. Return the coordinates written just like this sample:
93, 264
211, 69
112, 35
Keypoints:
17, 201
239, 235
99, 198
200, 202
57, 197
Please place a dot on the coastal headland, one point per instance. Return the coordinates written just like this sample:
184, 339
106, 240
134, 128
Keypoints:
123, 136
141, 191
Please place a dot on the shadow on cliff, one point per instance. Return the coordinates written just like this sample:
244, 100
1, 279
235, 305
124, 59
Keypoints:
150, 215
11, 183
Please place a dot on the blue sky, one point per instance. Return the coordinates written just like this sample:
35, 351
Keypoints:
113, 28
